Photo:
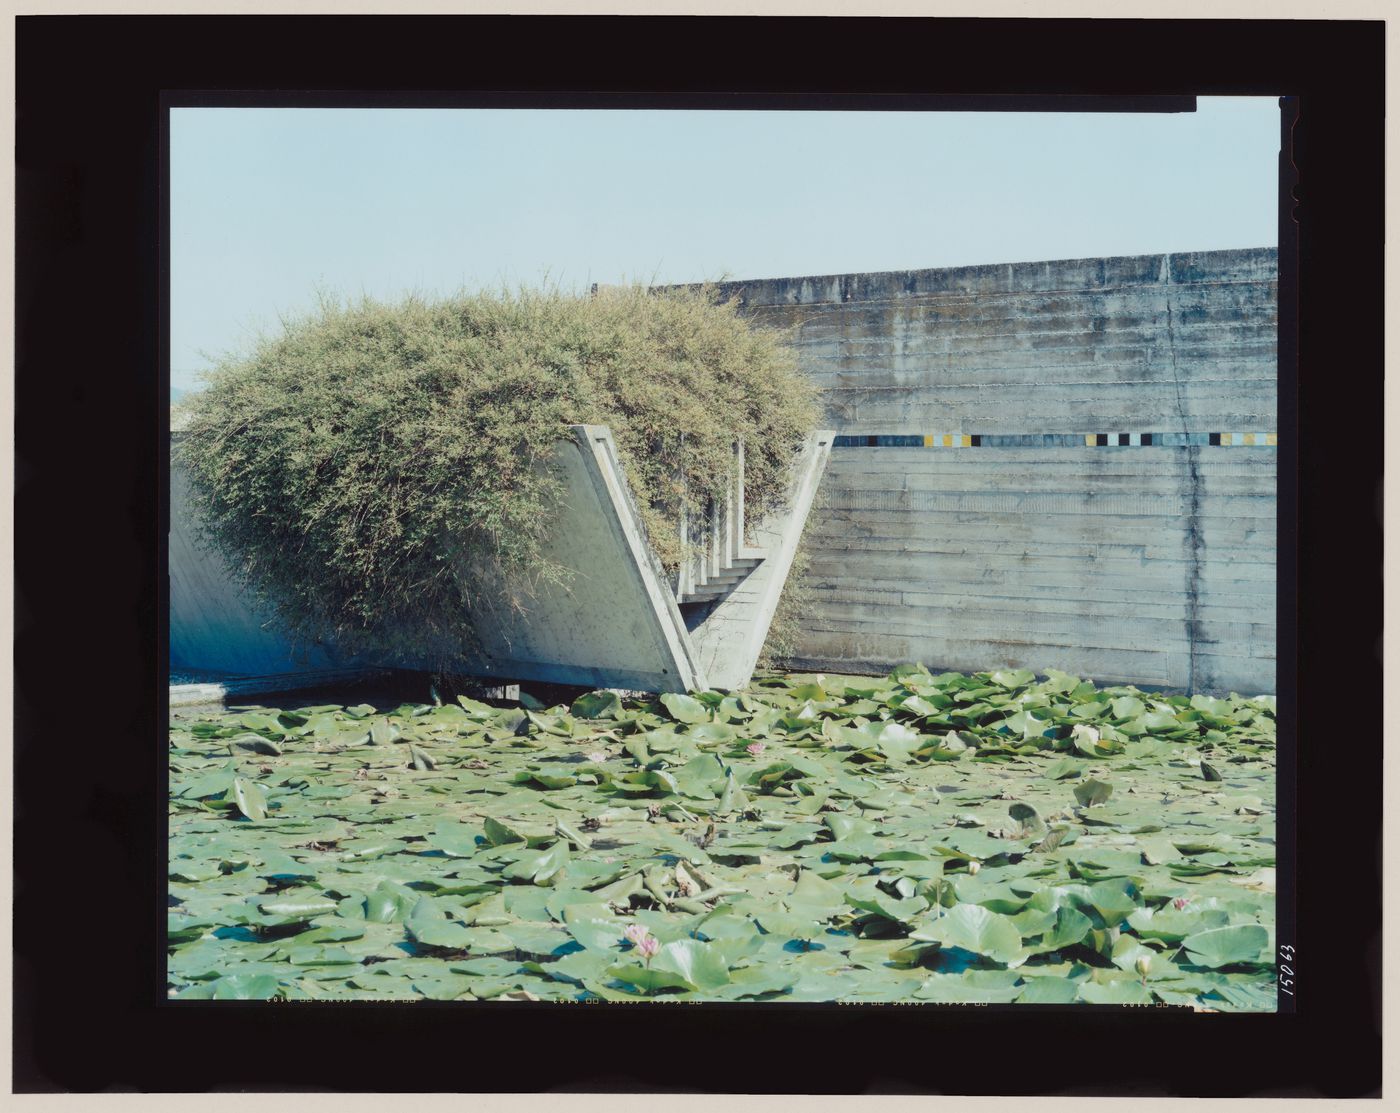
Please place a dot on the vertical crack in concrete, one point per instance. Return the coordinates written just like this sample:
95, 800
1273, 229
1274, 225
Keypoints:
1194, 540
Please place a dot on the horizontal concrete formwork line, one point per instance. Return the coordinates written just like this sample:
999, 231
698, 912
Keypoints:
936, 386
1257, 606
980, 345
1079, 583
1196, 304
1011, 504
1162, 569
851, 501
1089, 594
1101, 311
860, 522
830, 294
1178, 549
854, 528
1246, 483
1079, 327
1080, 481
932, 557
1223, 595
948, 613
1253, 371
973, 566
1215, 673
1025, 360
1159, 408
1086, 640
835, 651
1189, 305
1126, 630
971, 582
1174, 551
1145, 409
900, 368
1224, 608
1155, 409
905, 374
1102, 321
917, 541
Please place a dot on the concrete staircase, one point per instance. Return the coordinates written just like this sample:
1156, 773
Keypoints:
720, 559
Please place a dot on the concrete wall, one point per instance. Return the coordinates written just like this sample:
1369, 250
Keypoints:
1150, 564
214, 627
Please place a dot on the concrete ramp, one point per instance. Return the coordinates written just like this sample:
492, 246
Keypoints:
620, 622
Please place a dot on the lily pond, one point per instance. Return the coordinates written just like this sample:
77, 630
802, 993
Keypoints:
992, 838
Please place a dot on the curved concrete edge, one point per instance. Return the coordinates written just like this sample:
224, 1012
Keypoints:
731, 637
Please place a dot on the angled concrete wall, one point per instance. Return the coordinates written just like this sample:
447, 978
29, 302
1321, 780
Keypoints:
1144, 564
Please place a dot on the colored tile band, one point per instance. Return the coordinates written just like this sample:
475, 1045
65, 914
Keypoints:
1054, 440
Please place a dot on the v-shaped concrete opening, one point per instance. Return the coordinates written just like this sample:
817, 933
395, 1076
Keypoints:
621, 621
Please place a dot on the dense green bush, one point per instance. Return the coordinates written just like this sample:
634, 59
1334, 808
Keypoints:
376, 472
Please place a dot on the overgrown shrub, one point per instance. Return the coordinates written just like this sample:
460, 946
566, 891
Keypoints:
377, 472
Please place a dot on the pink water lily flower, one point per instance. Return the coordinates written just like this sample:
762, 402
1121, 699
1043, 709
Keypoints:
755, 748
1180, 903
597, 756
647, 944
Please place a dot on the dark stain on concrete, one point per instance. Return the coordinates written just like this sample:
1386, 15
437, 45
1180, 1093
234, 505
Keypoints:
1194, 539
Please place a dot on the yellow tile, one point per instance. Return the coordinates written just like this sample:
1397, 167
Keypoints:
928, 440
1089, 439
966, 440
947, 440
1249, 438
1271, 438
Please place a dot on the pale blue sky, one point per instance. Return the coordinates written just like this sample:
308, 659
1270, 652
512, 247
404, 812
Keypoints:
267, 205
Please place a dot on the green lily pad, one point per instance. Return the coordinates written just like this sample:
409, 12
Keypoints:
1227, 945
248, 798
597, 705
686, 709
974, 929
1092, 791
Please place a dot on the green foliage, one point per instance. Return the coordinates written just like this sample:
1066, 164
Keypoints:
860, 854
379, 473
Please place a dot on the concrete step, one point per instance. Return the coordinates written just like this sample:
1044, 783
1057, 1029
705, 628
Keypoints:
717, 587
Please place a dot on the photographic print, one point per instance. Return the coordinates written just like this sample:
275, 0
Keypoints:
660, 556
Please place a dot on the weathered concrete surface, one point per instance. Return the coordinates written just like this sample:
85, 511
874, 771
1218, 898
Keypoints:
730, 639
214, 626
1149, 565
616, 623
